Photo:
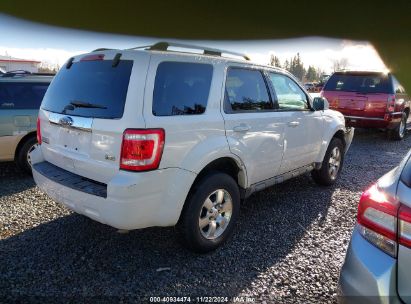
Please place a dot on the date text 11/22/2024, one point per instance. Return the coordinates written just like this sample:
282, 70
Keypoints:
181, 299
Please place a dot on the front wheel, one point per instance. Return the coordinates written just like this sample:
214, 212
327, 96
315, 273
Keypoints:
331, 165
210, 213
399, 132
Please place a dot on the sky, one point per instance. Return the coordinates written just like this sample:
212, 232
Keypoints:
54, 45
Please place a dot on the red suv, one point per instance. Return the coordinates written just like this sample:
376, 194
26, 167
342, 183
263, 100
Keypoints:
369, 100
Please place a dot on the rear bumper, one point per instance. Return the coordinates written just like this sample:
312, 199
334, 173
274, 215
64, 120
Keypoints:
389, 121
134, 199
368, 274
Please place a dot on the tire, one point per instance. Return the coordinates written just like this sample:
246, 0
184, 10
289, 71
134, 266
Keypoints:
202, 207
22, 155
329, 172
399, 132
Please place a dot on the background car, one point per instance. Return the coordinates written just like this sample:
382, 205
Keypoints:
309, 86
21, 94
377, 267
369, 100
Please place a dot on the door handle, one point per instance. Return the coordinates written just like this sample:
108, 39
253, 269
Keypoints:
293, 124
241, 128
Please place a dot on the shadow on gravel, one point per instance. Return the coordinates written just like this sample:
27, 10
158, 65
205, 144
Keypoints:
13, 180
74, 256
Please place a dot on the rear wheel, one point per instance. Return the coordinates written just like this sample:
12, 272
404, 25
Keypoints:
399, 132
331, 165
22, 157
210, 213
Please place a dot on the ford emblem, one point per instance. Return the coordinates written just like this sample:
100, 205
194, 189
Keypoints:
66, 121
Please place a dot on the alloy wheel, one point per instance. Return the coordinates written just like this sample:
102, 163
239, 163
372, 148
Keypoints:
334, 163
215, 214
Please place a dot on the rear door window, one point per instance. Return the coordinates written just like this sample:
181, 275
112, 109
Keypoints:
246, 90
21, 95
181, 88
363, 83
90, 89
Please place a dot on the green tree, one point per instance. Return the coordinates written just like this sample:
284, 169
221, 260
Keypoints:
312, 74
296, 67
275, 61
287, 65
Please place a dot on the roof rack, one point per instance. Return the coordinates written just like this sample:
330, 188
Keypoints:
163, 46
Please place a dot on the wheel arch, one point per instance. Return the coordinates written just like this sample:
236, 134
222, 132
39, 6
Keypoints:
230, 165
22, 142
407, 111
339, 133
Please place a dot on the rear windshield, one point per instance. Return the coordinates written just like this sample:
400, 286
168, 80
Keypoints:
90, 89
364, 83
22, 95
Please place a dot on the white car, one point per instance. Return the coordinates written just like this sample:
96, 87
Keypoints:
155, 137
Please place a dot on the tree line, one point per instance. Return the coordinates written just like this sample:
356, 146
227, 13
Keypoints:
296, 67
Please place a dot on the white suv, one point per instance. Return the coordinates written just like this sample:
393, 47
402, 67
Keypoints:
155, 137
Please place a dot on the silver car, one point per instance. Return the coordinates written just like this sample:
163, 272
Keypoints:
377, 268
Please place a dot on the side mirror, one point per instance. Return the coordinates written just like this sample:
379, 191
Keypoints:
320, 104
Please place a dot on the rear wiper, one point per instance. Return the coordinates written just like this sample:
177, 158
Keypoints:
82, 104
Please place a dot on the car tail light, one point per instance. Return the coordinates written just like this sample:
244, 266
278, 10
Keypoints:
38, 131
377, 216
142, 149
404, 226
391, 103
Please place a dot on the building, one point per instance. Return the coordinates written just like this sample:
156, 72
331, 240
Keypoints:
8, 63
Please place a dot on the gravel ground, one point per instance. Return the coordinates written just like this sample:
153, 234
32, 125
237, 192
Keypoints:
289, 244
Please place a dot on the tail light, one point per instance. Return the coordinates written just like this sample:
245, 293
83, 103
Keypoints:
383, 221
391, 103
38, 131
142, 149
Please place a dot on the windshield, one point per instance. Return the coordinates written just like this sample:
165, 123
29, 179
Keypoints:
90, 89
364, 83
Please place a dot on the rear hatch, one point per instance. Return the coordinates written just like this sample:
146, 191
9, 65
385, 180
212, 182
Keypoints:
363, 94
404, 248
84, 112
